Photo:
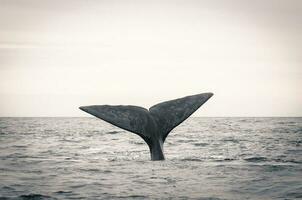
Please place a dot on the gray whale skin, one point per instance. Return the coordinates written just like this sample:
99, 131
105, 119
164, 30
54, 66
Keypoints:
152, 125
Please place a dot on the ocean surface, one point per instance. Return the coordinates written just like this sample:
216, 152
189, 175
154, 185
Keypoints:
206, 158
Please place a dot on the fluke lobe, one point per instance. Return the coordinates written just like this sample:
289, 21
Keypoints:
152, 125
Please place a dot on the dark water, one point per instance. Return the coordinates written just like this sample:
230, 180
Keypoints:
206, 158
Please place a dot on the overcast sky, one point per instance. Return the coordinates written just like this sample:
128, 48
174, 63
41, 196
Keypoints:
58, 55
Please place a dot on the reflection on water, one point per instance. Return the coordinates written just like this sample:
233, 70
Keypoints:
206, 158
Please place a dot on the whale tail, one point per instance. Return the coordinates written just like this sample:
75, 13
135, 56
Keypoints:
152, 125
170, 114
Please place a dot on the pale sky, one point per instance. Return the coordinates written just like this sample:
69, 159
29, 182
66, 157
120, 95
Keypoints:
57, 55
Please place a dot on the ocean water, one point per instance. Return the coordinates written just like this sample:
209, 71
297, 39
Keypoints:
206, 158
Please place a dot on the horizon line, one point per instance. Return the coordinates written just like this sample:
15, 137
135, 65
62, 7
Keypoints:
190, 117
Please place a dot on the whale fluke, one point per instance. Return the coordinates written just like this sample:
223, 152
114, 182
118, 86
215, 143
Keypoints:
152, 125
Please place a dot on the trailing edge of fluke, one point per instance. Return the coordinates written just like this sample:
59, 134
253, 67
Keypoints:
152, 125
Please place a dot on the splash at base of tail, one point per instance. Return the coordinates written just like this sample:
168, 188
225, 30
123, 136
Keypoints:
152, 125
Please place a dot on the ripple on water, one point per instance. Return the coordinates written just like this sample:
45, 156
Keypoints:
192, 159
77, 158
273, 168
225, 160
34, 197
200, 144
63, 192
256, 159
132, 197
113, 132
137, 142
